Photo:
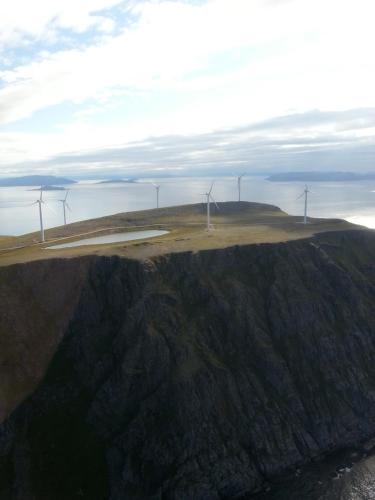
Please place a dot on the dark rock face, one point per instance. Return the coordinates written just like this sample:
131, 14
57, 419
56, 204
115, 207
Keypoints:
37, 302
198, 376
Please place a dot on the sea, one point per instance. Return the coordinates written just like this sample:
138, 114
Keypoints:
345, 475
353, 201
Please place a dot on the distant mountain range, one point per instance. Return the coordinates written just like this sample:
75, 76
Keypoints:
118, 181
50, 188
35, 180
320, 176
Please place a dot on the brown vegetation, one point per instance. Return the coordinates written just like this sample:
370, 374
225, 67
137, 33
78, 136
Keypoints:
234, 224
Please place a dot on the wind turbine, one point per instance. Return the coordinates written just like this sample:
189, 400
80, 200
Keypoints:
239, 179
157, 187
40, 203
65, 205
209, 197
305, 193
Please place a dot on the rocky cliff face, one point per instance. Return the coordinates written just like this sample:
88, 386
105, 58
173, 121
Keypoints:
195, 375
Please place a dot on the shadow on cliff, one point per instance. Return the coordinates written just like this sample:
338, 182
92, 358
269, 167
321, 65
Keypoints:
201, 375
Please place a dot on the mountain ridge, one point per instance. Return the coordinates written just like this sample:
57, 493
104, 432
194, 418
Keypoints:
35, 180
318, 176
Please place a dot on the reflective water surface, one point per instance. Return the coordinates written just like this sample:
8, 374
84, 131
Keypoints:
110, 238
354, 201
345, 476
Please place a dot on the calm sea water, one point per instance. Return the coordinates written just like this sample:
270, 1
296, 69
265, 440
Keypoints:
345, 476
354, 201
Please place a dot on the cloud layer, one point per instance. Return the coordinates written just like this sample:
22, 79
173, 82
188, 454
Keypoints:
279, 80
307, 141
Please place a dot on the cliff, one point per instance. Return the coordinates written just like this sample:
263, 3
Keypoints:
185, 376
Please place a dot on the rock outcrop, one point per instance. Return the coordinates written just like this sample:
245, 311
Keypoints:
189, 376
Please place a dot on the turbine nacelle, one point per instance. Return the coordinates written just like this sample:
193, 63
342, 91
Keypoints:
65, 205
157, 188
210, 198
40, 202
66, 196
305, 192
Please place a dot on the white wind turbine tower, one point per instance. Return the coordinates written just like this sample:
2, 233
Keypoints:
239, 179
40, 203
157, 187
305, 193
209, 197
65, 206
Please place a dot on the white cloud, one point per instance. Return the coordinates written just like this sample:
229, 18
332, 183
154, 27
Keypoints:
173, 39
22, 19
291, 141
293, 56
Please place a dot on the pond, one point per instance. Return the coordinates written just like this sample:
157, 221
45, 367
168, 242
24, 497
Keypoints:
110, 238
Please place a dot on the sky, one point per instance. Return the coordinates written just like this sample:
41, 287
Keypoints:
118, 88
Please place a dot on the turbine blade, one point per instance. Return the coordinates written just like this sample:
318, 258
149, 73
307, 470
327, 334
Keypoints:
212, 198
67, 193
68, 207
212, 185
50, 209
300, 196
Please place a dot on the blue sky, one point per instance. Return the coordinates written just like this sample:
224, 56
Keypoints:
115, 87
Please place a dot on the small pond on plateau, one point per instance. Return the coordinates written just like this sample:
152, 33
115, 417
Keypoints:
110, 238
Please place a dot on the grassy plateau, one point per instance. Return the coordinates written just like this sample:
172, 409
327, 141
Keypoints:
233, 223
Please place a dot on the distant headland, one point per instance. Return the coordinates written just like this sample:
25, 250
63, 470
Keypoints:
320, 176
49, 188
35, 180
118, 181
